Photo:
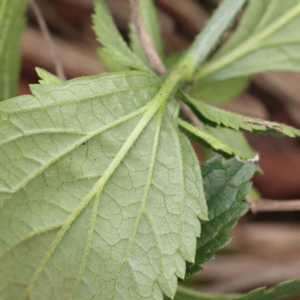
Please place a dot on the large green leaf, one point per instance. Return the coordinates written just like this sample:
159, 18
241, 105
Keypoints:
11, 26
267, 39
225, 187
280, 292
151, 25
100, 193
111, 40
228, 119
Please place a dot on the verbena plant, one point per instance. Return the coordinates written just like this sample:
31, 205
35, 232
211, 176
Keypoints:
101, 193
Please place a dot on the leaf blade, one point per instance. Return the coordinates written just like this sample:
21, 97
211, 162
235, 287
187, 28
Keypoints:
108, 35
83, 203
225, 186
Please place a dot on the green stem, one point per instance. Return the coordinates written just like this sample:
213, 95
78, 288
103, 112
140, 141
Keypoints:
209, 37
188, 294
200, 49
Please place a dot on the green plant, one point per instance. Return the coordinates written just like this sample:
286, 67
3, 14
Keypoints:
101, 193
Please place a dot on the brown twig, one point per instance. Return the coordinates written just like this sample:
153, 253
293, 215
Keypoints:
145, 42
267, 205
46, 33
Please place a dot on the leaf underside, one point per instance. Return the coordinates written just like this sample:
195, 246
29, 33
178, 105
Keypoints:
11, 26
100, 193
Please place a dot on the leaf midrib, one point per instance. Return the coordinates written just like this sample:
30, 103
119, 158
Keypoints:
247, 46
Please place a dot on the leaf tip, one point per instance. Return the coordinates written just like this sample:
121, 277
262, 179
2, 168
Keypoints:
47, 78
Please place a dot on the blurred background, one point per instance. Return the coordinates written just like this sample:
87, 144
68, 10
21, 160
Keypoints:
265, 248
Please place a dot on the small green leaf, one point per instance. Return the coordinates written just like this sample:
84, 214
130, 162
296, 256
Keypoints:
235, 121
110, 38
225, 186
219, 91
208, 140
47, 78
151, 25
100, 193
109, 63
234, 138
11, 26
267, 39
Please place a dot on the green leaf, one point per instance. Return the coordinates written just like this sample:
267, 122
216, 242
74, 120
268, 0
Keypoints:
151, 25
235, 121
100, 193
235, 139
11, 26
225, 187
267, 39
219, 91
47, 78
109, 63
173, 59
110, 38
280, 292
208, 140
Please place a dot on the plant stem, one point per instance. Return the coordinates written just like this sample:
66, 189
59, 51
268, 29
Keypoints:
210, 36
185, 293
267, 205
